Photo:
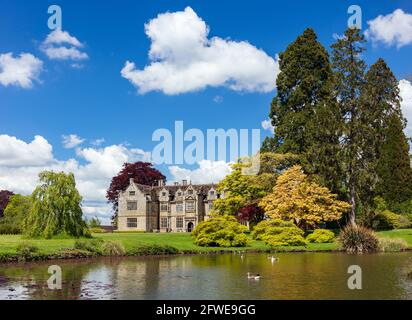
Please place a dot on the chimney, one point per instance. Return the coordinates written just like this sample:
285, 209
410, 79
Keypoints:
184, 182
176, 183
131, 181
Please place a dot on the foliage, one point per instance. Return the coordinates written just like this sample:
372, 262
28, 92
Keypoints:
383, 138
349, 70
392, 244
93, 245
242, 190
4, 200
153, 249
97, 230
276, 232
306, 203
26, 250
113, 248
220, 231
141, 172
321, 236
56, 207
394, 169
358, 239
251, 213
94, 223
14, 214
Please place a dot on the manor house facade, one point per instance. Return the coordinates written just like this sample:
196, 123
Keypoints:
162, 208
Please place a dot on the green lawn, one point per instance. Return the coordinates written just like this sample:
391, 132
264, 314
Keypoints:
181, 241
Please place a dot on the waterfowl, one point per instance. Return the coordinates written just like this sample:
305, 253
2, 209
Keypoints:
256, 276
273, 259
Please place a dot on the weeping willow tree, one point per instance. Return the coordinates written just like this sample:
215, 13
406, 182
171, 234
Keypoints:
56, 207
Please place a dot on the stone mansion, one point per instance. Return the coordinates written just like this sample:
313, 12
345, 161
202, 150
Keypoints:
162, 208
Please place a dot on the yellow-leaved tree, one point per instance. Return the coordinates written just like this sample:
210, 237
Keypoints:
296, 198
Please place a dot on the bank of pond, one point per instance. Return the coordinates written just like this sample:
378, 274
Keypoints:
14, 248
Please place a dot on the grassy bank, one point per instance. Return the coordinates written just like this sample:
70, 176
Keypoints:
137, 242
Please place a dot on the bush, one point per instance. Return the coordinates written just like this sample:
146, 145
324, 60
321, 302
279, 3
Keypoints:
97, 230
151, 250
392, 244
93, 245
8, 228
276, 232
358, 239
321, 236
113, 248
220, 231
385, 220
26, 250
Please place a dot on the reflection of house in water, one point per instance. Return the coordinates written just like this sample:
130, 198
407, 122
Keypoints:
177, 208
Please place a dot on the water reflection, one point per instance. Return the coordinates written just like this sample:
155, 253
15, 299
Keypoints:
294, 276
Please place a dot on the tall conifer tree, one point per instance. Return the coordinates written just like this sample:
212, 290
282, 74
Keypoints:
349, 71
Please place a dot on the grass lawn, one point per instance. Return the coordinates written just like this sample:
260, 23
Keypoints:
181, 241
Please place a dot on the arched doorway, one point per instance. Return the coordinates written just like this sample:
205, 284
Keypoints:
190, 227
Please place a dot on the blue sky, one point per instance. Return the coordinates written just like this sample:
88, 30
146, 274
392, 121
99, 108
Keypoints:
89, 98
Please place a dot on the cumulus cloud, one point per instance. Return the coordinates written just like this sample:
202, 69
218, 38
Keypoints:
21, 162
60, 45
405, 88
392, 29
267, 125
183, 59
19, 71
71, 141
207, 172
15, 152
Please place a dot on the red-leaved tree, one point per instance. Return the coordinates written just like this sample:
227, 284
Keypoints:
4, 200
142, 173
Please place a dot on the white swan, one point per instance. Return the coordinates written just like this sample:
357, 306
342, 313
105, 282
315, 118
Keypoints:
273, 259
256, 276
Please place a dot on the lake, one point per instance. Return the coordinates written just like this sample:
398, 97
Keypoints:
294, 276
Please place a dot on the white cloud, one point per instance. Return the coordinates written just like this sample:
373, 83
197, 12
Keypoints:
98, 142
21, 162
405, 88
15, 152
19, 71
62, 37
183, 59
60, 45
71, 141
267, 125
392, 29
208, 172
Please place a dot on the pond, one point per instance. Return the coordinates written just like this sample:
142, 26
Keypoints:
293, 276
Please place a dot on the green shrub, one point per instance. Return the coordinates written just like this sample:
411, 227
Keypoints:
8, 228
358, 239
113, 248
220, 231
97, 230
385, 220
392, 244
321, 236
93, 245
26, 250
276, 232
151, 250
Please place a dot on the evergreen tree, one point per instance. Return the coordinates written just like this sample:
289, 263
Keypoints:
304, 112
303, 83
349, 71
394, 167
380, 100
